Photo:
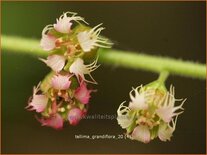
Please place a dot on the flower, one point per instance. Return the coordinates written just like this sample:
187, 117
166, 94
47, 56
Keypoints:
48, 41
64, 94
91, 39
138, 101
166, 108
151, 113
56, 62
124, 120
79, 69
165, 131
74, 116
141, 133
60, 82
55, 121
39, 102
64, 24
82, 93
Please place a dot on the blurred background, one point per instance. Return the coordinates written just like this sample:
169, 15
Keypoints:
174, 29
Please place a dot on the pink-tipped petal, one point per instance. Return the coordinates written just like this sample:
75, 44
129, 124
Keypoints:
55, 121
56, 62
141, 133
63, 24
38, 103
60, 82
82, 93
88, 40
80, 69
47, 42
165, 113
138, 100
75, 115
164, 132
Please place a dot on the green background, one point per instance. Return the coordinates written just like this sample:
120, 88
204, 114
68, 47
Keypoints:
175, 29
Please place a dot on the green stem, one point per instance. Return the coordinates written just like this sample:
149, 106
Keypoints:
126, 59
163, 76
152, 63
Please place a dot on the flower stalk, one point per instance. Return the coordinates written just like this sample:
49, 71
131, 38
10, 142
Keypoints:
127, 59
163, 77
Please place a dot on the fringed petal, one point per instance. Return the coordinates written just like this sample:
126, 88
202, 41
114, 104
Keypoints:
82, 93
79, 69
124, 120
141, 133
55, 121
60, 82
88, 40
64, 23
38, 102
138, 101
56, 62
75, 115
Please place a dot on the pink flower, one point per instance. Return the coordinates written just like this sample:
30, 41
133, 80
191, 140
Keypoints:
54, 121
48, 41
141, 133
75, 115
167, 109
39, 102
64, 24
56, 62
82, 93
60, 82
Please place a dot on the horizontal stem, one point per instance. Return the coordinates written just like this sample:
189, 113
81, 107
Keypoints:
22, 45
153, 63
126, 59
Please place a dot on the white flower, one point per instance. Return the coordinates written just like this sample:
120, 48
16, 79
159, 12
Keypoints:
141, 133
165, 130
138, 101
91, 39
48, 41
39, 102
56, 62
124, 120
151, 113
167, 109
79, 69
64, 24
